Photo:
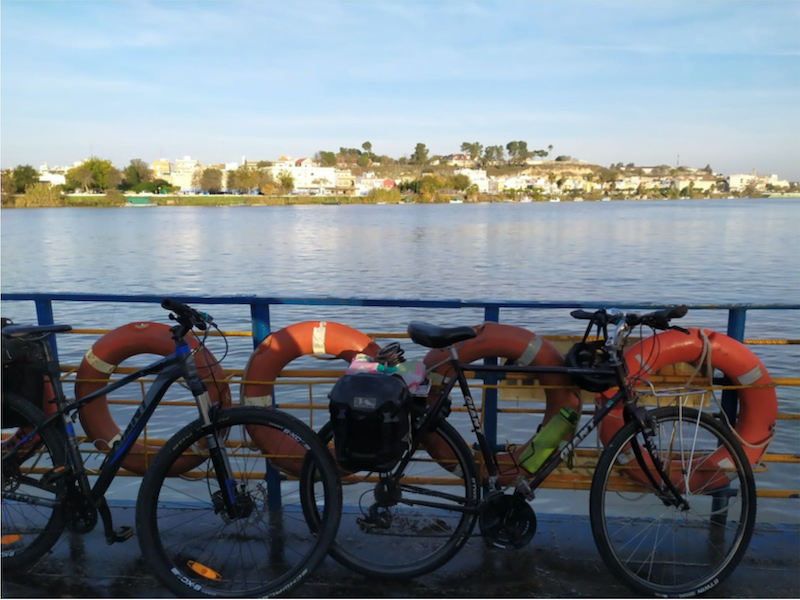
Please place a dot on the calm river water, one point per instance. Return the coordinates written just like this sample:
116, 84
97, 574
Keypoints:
666, 252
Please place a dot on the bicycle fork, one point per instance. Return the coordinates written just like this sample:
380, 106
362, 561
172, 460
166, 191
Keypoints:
668, 493
214, 446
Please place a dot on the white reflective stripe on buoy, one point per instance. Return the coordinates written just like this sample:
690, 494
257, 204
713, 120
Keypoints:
647, 369
258, 400
751, 376
531, 352
98, 363
318, 338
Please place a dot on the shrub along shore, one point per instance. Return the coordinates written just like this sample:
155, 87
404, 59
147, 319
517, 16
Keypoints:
117, 200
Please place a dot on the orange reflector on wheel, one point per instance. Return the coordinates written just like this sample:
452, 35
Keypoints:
11, 538
204, 571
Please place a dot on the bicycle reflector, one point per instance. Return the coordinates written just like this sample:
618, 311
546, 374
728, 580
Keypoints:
204, 571
11, 538
590, 355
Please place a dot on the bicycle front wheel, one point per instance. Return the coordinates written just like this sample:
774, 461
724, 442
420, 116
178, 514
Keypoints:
32, 510
659, 548
399, 528
262, 546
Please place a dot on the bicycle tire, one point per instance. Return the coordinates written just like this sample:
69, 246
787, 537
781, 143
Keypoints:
29, 530
663, 550
269, 549
413, 540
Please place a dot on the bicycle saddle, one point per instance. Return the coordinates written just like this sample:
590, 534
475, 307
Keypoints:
433, 336
18, 331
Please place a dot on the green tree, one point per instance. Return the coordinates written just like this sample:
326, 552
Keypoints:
751, 190
285, 182
494, 154
113, 179
266, 182
208, 180
429, 185
367, 146
81, 177
103, 175
350, 155
137, 172
7, 187
459, 182
326, 159
420, 155
246, 179
517, 152
25, 175
511, 148
101, 169
474, 149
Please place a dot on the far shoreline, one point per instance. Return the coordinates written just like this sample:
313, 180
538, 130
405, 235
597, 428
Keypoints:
234, 200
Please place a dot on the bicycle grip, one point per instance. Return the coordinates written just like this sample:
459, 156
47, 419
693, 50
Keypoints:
582, 314
676, 312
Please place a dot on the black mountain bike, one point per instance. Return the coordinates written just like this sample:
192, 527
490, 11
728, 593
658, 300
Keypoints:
672, 500
230, 526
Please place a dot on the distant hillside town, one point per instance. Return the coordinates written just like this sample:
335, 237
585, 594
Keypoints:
353, 173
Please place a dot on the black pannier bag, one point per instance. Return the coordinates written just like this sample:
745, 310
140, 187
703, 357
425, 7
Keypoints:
24, 367
371, 421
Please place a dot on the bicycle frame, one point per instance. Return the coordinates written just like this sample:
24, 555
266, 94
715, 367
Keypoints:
623, 395
169, 369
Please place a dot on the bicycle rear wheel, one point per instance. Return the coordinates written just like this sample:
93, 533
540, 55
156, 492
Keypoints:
402, 529
266, 548
658, 548
32, 513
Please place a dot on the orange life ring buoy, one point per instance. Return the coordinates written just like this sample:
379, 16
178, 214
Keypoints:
758, 406
496, 340
105, 356
277, 351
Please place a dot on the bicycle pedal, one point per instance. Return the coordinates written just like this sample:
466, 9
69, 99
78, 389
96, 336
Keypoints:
123, 534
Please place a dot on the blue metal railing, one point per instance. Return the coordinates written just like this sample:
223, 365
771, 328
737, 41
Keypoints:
261, 326
260, 306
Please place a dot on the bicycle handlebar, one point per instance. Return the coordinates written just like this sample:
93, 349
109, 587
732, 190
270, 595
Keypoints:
658, 319
625, 322
186, 315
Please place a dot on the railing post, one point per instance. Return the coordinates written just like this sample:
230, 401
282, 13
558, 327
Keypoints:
44, 313
730, 398
259, 316
490, 397
730, 406
736, 320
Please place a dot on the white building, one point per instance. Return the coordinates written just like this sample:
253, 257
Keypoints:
738, 182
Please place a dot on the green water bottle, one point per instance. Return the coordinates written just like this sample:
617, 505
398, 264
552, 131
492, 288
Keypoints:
553, 436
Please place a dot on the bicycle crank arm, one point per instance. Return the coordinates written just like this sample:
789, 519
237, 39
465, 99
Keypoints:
113, 536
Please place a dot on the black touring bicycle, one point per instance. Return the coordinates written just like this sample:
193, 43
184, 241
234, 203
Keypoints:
230, 525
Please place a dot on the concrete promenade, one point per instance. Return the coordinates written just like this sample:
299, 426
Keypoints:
560, 562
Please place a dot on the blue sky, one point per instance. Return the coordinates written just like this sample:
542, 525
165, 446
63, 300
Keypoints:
645, 82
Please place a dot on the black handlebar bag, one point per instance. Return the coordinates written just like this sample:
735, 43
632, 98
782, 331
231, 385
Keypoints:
371, 420
24, 367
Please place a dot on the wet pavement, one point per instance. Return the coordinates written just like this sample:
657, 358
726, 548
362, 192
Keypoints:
560, 562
